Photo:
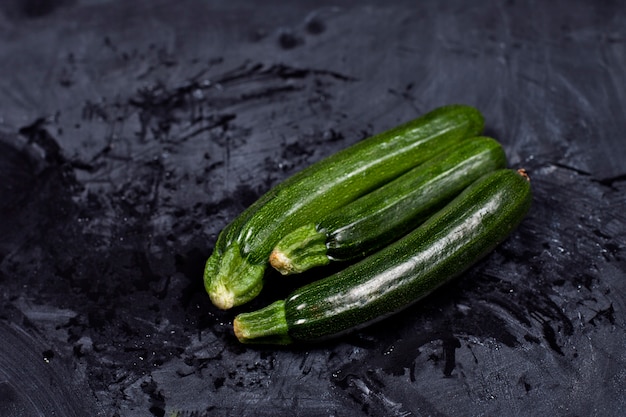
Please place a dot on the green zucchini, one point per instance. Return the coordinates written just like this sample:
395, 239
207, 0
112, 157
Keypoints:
443, 247
234, 272
382, 216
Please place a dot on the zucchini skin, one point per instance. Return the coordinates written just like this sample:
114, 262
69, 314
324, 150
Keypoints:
233, 274
445, 246
389, 212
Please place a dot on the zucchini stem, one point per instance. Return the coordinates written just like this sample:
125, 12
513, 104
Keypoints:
300, 250
524, 174
232, 280
265, 326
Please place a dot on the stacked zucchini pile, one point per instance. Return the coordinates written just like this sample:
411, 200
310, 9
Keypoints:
412, 208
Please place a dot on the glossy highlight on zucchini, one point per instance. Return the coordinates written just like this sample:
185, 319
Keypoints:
387, 213
445, 246
233, 274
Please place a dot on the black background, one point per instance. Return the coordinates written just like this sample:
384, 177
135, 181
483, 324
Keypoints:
132, 132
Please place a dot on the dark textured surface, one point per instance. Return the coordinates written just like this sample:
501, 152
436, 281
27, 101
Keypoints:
132, 132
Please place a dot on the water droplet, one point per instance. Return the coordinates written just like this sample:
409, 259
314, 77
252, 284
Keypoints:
198, 94
389, 351
48, 355
287, 39
315, 25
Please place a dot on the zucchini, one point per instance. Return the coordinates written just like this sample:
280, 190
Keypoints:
443, 247
382, 216
234, 272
